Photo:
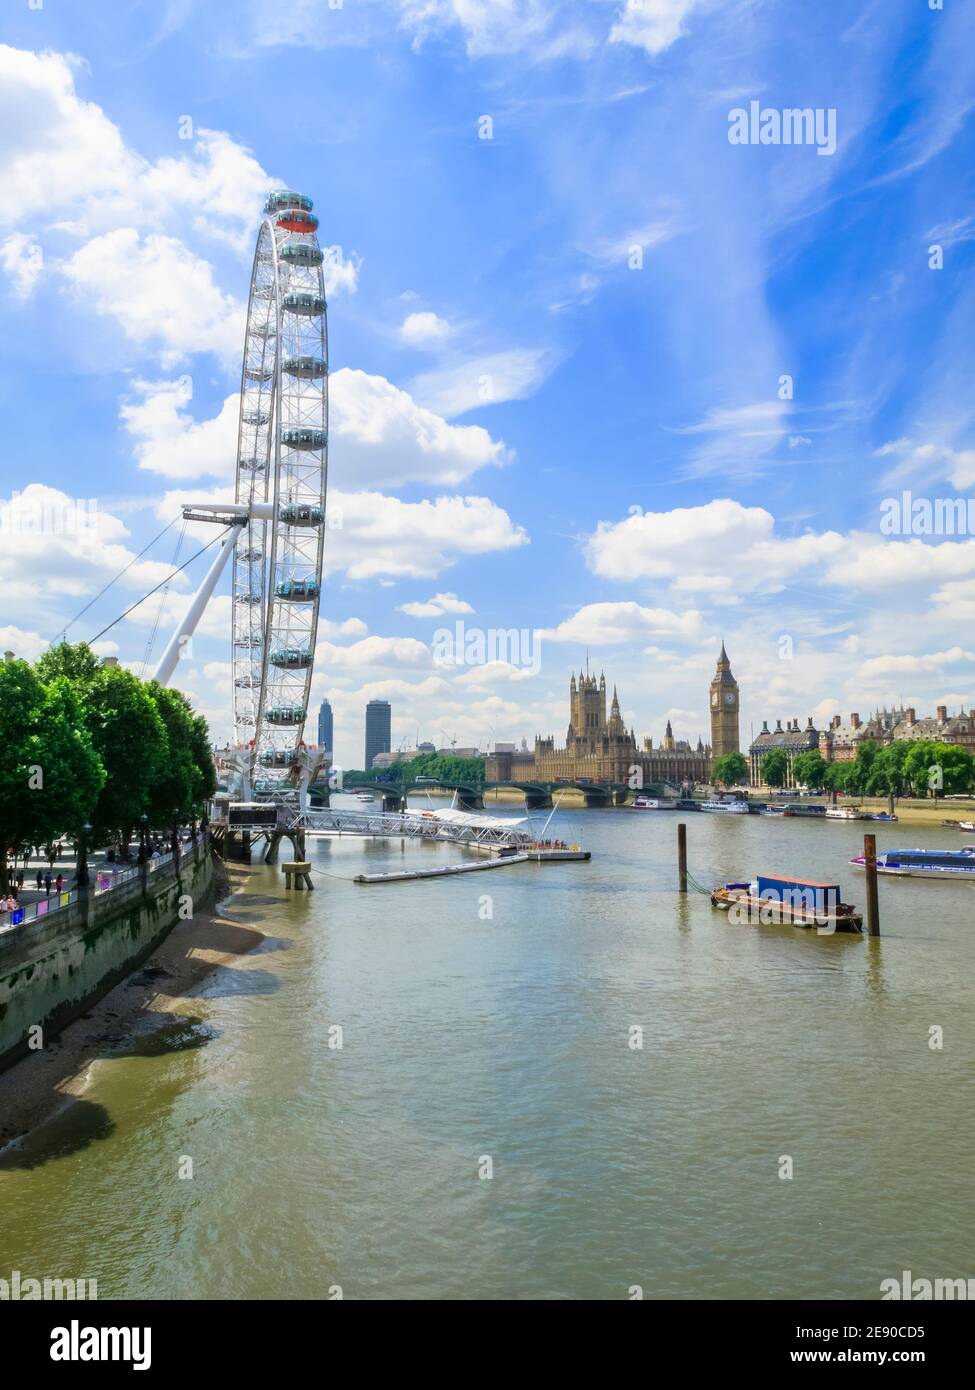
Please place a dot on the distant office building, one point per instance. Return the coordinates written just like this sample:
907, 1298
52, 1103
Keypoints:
382, 761
402, 755
325, 726
379, 717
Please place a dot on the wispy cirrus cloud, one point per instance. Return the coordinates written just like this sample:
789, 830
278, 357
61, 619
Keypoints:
509, 375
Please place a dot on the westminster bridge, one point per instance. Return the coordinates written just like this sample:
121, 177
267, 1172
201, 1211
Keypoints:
538, 794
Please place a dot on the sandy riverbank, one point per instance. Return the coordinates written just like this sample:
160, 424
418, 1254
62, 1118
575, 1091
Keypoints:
36, 1088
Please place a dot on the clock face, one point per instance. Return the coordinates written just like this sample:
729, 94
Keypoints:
714, 698
729, 698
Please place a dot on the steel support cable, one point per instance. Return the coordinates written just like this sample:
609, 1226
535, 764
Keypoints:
162, 604
156, 589
63, 633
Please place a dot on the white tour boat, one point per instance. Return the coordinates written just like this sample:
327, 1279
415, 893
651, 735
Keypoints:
948, 865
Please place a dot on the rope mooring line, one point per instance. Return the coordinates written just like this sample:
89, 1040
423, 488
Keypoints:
698, 887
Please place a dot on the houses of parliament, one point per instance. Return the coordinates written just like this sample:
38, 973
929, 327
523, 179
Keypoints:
600, 748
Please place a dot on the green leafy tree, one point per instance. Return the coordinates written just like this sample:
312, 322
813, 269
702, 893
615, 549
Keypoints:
775, 768
75, 660
470, 771
837, 776
730, 770
887, 776
204, 767
809, 770
859, 771
50, 774
129, 735
172, 795
933, 769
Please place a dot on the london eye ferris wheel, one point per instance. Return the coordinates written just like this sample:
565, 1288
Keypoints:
278, 515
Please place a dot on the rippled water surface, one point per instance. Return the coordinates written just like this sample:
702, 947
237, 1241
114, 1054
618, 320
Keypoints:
467, 1035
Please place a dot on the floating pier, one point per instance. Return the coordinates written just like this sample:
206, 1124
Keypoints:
497, 861
556, 856
446, 871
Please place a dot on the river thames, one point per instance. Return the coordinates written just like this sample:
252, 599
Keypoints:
469, 1037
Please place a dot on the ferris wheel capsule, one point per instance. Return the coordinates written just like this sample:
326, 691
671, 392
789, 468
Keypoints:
309, 368
304, 304
287, 198
297, 220
303, 439
300, 514
302, 253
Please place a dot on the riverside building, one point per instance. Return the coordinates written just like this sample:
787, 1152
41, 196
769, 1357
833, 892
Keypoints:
600, 748
792, 740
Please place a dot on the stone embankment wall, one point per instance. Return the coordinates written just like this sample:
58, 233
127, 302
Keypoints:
52, 969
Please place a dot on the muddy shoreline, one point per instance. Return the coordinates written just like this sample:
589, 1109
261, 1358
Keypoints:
157, 994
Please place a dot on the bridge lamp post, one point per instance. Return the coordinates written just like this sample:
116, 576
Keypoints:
143, 839
81, 874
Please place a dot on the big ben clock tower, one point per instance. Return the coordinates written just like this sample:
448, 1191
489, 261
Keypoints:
724, 709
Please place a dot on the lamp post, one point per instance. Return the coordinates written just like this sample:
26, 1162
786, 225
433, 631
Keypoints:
143, 843
81, 876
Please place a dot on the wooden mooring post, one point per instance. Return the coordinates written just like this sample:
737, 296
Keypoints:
682, 856
870, 872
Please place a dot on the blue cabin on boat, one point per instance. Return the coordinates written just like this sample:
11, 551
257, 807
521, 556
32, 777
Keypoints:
807, 893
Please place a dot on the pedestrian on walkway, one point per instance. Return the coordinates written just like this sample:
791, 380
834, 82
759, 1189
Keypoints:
40, 880
47, 883
59, 883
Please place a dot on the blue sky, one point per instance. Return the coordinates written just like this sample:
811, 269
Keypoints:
524, 419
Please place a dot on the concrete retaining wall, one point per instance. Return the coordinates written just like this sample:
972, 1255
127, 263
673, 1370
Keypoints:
53, 969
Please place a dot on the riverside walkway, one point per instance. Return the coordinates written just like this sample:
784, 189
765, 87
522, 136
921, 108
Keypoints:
103, 878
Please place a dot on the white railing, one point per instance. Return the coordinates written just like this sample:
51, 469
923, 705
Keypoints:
101, 881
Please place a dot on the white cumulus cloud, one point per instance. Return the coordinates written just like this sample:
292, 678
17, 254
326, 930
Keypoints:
436, 607
23, 263
423, 329
384, 536
159, 293
652, 25
608, 624
169, 441
380, 435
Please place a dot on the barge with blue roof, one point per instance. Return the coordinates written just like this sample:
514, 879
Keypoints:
800, 902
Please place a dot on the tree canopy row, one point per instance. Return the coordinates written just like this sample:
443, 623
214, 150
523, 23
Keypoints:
443, 766
918, 767
85, 743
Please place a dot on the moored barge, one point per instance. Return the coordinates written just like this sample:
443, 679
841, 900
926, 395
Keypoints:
776, 898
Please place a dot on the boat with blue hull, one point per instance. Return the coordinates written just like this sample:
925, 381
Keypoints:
945, 865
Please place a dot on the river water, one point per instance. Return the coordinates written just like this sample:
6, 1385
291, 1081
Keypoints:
469, 1037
